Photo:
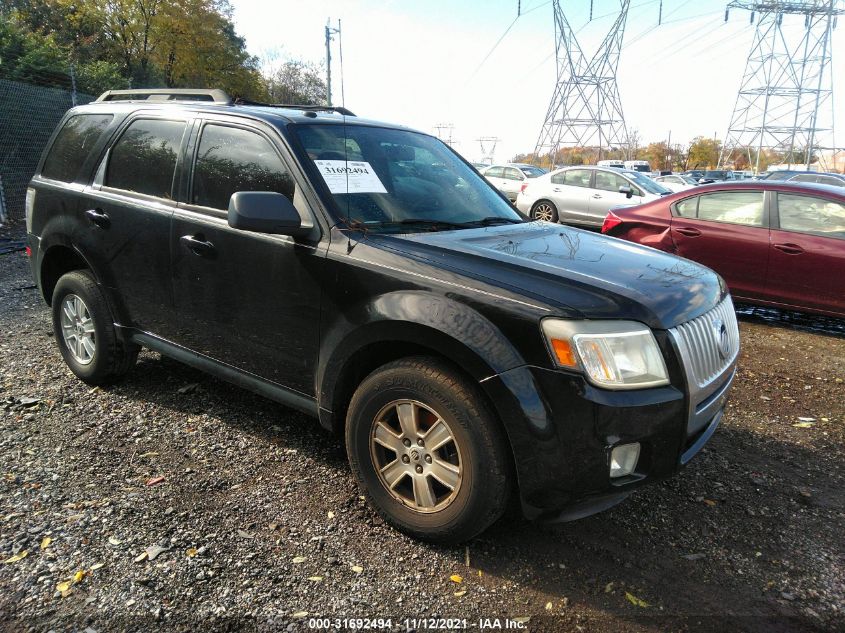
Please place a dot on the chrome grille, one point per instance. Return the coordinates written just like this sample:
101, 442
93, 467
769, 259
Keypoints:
708, 344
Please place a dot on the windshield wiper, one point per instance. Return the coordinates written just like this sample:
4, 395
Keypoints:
491, 220
434, 225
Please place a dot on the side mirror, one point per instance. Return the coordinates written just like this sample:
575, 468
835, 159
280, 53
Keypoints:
628, 191
265, 212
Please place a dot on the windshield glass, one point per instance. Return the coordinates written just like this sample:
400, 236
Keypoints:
719, 175
689, 180
644, 182
397, 180
532, 172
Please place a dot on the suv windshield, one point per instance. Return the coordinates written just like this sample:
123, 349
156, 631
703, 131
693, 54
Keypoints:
397, 180
646, 183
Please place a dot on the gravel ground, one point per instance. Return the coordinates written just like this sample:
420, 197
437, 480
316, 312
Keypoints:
173, 501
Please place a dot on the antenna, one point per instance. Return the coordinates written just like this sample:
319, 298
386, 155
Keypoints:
585, 108
786, 84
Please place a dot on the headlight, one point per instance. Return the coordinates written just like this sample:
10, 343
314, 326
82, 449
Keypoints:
613, 354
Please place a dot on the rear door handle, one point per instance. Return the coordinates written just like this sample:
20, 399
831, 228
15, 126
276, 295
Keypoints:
558, 189
597, 196
197, 245
98, 217
789, 249
689, 232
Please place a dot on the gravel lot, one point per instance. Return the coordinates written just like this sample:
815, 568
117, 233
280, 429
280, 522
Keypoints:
173, 501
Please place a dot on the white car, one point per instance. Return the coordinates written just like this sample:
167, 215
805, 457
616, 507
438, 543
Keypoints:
511, 178
584, 195
676, 182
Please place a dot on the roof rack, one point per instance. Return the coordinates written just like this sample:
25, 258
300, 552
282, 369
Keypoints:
294, 106
167, 94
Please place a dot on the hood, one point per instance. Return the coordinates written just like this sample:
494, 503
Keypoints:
576, 273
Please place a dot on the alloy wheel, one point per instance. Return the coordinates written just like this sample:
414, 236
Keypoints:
78, 329
544, 212
416, 455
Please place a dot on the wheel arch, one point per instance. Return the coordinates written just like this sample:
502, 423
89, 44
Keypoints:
408, 324
56, 260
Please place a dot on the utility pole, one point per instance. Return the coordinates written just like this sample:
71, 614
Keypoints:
329, 33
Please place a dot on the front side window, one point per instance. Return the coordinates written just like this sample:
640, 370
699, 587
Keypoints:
398, 180
73, 145
610, 182
577, 177
232, 159
808, 214
144, 158
735, 207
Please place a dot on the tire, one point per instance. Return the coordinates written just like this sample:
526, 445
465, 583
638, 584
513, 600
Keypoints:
544, 210
475, 458
80, 309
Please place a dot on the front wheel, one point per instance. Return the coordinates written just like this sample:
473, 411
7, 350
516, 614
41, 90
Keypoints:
426, 452
545, 211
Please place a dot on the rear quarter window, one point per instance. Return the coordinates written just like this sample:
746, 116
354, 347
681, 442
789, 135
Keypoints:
73, 146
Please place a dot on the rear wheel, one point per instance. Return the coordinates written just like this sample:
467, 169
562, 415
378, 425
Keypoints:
84, 330
426, 452
544, 210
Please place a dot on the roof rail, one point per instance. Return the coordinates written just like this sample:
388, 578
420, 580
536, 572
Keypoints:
167, 94
294, 106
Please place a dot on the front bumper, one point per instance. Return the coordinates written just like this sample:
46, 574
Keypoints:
562, 431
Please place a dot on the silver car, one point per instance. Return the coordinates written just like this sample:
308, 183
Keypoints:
584, 195
511, 178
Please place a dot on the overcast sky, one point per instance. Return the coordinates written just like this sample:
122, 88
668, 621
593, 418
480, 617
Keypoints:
427, 62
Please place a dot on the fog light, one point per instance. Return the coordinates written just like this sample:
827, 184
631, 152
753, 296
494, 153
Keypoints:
623, 459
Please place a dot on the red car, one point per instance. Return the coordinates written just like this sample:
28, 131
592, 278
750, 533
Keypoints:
775, 243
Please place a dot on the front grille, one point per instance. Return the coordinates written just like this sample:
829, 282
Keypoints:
708, 344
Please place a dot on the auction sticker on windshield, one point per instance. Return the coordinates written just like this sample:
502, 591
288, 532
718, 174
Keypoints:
350, 176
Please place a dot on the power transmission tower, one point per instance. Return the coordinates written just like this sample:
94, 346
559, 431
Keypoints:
585, 109
444, 132
488, 148
787, 82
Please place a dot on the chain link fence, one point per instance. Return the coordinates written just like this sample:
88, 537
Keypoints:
28, 115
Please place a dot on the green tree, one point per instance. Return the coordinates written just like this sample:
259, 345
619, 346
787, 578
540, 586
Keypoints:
298, 82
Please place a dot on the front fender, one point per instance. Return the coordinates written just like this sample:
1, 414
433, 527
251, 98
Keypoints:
453, 329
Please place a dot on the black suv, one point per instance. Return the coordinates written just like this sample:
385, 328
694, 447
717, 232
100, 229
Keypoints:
367, 275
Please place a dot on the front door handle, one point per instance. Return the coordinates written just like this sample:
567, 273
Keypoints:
789, 249
98, 217
557, 189
688, 231
597, 196
197, 245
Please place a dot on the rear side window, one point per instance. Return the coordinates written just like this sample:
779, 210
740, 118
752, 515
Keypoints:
807, 214
144, 159
232, 159
73, 146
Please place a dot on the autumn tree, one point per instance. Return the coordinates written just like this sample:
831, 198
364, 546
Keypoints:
704, 153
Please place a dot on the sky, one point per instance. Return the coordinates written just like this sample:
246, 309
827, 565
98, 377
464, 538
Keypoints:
468, 64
